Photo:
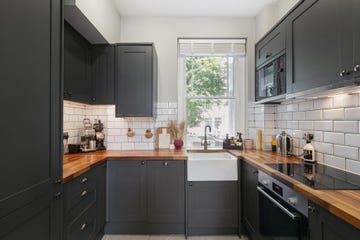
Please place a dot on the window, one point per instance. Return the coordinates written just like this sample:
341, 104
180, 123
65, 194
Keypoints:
208, 77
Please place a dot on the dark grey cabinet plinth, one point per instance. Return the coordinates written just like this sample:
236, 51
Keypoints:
250, 200
145, 197
135, 80
30, 60
324, 225
212, 208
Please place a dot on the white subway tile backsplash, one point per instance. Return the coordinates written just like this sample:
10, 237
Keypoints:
352, 140
326, 148
334, 161
292, 107
346, 100
334, 114
323, 103
314, 115
299, 116
345, 151
352, 113
323, 125
331, 137
306, 125
346, 126
353, 166
305, 106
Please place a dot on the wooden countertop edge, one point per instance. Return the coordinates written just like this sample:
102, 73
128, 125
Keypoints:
320, 197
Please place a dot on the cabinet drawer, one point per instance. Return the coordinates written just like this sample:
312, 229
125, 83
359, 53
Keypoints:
270, 47
83, 228
77, 203
84, 181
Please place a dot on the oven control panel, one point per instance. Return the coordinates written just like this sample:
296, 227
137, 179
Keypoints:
283, 191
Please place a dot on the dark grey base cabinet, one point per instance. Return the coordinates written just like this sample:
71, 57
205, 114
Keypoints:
212, 208
84, 205
324, 225
250, 200
146, 197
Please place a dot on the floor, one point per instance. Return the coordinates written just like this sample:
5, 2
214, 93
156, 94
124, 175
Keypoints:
168, 237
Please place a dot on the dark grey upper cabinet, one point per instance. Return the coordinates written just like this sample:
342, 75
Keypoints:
250, 200
271, 46
321, 55
355, 16
103, 74
77, 66
166, 192
30, 60
324, 225
135, 80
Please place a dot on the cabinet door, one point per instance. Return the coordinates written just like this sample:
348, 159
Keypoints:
77, 66
134, 81
126, 191
324, 225
249, 179
355, 19
166, 193
212, 208
103, 74
100, 197
30, 61
313, 45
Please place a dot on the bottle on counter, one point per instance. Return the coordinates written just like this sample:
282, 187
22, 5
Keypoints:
259, 140
273, 144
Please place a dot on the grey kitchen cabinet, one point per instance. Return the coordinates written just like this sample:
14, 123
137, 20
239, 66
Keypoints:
271, 46
250, 200
324, 225
321, 55
135, 80
30, 60
212, 208
145, 197
84, 205
103, 74
166, 196
77, 66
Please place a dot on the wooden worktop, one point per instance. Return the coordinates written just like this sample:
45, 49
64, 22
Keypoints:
343, 203
77, 164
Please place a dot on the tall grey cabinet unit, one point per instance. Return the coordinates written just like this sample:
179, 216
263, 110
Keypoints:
146, 197
30, 60
135, 80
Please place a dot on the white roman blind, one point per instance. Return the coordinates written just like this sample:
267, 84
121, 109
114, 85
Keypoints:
206, 47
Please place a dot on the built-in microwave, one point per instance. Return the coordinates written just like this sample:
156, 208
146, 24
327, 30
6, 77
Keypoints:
271, 79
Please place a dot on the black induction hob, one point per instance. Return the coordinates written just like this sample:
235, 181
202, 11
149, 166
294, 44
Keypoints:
319, 176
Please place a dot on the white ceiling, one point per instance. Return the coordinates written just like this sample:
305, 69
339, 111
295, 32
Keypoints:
191, 8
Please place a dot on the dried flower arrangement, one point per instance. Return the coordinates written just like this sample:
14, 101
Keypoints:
177, 131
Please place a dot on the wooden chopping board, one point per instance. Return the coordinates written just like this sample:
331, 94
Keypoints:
163, 138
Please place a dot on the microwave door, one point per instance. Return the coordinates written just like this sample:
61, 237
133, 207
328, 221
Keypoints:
269, 80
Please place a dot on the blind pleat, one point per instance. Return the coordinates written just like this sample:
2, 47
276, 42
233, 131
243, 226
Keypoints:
189, 47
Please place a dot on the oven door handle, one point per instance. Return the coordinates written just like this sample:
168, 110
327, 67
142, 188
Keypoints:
294, 216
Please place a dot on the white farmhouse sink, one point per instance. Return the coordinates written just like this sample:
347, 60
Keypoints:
214, 166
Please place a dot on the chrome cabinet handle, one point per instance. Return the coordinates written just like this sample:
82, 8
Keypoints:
84, 180
57, 195
83, 226
165, 163
83, 193
356, 68
311, 209
344, 73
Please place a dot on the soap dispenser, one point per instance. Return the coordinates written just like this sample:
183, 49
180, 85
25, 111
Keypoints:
309, 150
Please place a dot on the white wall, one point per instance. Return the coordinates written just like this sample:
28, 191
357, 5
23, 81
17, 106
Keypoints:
104, 16
271, 14
164, 32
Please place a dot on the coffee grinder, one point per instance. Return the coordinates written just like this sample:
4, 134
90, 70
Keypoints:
99, 135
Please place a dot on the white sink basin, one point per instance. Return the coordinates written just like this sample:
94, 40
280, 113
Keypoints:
215, 166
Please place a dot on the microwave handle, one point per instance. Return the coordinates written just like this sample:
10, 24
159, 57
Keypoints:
293, 216
268, 55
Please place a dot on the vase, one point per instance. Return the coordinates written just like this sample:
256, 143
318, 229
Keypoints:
178, 144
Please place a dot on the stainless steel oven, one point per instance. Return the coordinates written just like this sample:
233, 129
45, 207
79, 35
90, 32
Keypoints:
283, 212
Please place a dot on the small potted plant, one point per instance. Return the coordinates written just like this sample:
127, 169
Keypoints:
177, 131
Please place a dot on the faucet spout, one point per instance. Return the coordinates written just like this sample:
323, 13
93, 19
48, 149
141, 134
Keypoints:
205, 138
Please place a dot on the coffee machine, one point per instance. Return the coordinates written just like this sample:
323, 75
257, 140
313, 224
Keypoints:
99, 135
88, 142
